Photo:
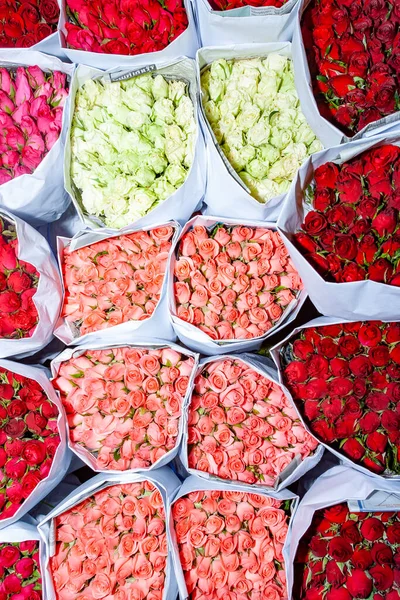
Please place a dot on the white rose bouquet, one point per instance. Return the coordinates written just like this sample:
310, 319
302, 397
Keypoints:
132, 145
254, 112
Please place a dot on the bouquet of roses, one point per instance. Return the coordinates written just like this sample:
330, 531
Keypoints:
253, 111
32, 430
110, 539
124, 404
230, 543
344, 379
232, 282
115, 281
353, 54
132, 145
241, 426
20, 572
122, 27
31, 102
24, 24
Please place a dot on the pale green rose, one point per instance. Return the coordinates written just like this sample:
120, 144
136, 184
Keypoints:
159, 88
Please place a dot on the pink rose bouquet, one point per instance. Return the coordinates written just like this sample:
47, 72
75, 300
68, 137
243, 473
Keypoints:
230, 544
233, 282
241, 425
114, 281
113, 544
20, 575
124, 404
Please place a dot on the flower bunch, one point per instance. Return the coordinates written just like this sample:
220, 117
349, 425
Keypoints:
124, 404
28, 439
347, 555
124, 27
345, 381
31, 103
241, 425
254, 111
18, 285
353, 53
20, 577
234, 281
117, 280
112, 544
231, 4
352, 232
230, 544
132, 145
24, 24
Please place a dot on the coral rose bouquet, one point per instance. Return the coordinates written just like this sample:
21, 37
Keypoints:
30, 288
29, 24
345, 539
134, 152
33, 452
110, 538
349, 56
257, 134
231, 285
230, 542
115, 284
242, 427
340, 223
125, 405
345, 381
34, 91
20, 562
120, 33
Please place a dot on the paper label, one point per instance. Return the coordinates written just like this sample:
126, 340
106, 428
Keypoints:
376, 502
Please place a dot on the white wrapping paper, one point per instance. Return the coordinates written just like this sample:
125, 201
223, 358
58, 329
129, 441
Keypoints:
164, 479
85, 454
329, 134
33, 248
275, 353
226, 193
296, 469
39, 197
198, 340
184, 45
195, 484
157, 326
62, 456
187, 198
339, 484
245, 25
356, 300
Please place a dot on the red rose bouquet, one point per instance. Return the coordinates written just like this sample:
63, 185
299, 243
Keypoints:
345, 381
230, 4
20, 577
241, 426
346, 555
124, 404
230, 544
18, 286
24, 24
31, 103
353, 52
124, 27
29, 438
352, 232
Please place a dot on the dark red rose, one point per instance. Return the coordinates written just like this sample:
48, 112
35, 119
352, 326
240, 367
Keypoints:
354, 449
393, 533
340, 549
372, 529
369, 422
359, 584
381, 553
377, 442
339, 367
325, 176
318, 547
370, 334
383, 577
352, 272
377, 401
360, 366
302, 349
333, 573
296, 372
314, 223
349, 346
15, 428
362, 559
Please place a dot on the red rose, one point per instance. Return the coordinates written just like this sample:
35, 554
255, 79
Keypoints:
369, 334
381, 553
15, 428
49, 11
359, 584
340, 549
377, 442
314, 223
362, 559
383, 577
360, 366
296, 372
325, 176
372, 529
377, 401
354, 449
369, 422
